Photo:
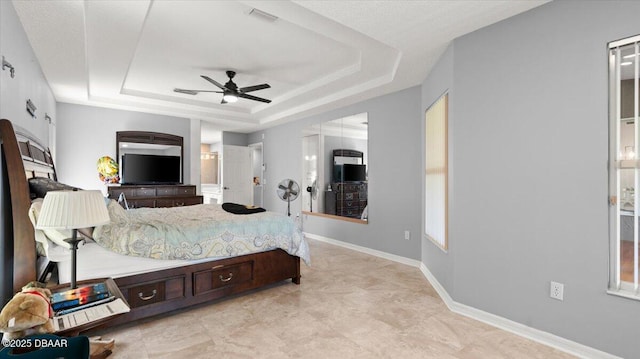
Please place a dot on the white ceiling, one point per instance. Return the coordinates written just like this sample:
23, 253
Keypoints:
317, 55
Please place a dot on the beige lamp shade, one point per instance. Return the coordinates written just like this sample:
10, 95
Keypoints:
72, 210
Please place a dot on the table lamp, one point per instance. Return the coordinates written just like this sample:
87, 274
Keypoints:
72, 210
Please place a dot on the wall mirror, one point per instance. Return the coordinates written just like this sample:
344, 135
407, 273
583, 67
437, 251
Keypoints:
335, 169
164, 147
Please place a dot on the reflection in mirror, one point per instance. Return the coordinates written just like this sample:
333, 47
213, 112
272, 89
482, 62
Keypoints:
160, 150
335, 173
210, 173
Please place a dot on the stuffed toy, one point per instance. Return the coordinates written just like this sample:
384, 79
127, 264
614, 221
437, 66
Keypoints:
28, 312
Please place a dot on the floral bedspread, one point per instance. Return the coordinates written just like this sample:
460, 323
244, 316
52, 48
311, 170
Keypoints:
200, 231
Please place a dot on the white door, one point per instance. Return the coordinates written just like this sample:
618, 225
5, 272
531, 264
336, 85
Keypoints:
236, 174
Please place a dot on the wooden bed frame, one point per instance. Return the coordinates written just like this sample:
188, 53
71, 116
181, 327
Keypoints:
149, 293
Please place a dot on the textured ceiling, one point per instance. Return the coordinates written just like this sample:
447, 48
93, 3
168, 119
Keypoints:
317, 55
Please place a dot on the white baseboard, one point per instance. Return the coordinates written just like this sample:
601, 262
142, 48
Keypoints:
522, 330
373, 252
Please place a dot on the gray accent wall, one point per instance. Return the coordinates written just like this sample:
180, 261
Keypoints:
29, 81
86, 133
528, 203
394, 167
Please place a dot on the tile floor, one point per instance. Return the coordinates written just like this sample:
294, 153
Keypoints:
349, 305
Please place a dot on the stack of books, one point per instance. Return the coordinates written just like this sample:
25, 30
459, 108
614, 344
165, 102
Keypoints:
80, 298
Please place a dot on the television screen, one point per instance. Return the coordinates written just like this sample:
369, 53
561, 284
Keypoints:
350, 173
150, 169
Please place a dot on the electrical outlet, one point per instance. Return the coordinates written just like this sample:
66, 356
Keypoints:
556, 291
407, 235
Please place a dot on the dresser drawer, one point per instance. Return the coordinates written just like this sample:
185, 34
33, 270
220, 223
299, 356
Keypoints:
114, 192
178, 202
222, 276
350, 212
344, 204
139, 203
145, 192
349, 196
188, 201
185, 191
165, 191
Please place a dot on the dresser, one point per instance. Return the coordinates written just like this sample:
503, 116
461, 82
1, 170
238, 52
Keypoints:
347, 199
156, 196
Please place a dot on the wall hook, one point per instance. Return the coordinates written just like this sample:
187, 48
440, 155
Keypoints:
6, 64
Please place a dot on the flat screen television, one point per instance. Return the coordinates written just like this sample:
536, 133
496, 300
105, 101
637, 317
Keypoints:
150, 169
350, 173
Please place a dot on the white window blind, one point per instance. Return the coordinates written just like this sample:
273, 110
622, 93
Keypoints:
436, 170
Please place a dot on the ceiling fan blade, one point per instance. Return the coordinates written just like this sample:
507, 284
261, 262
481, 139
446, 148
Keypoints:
193, 92
294, 192
254, 88
282, 187
213, 81
243, 95
186, 92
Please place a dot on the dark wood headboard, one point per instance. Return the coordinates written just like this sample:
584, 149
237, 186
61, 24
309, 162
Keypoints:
21, 156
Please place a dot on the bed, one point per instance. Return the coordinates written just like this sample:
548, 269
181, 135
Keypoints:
151, 286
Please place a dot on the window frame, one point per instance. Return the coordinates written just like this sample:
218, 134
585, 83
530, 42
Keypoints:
617, 163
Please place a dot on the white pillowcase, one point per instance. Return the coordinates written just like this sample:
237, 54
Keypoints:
52, 240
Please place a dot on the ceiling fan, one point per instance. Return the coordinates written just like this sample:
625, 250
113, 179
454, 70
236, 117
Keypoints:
230, 91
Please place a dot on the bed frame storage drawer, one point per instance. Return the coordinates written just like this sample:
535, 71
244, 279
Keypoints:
142, 294
222, 276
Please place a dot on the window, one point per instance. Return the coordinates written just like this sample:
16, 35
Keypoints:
436, 172
624, 167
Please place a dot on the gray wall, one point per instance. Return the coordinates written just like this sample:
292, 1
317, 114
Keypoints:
28, 83
528, 123
438, 82
86, 133
234, 139
394, 173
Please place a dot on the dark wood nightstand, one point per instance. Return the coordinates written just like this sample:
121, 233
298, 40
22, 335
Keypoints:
92, 324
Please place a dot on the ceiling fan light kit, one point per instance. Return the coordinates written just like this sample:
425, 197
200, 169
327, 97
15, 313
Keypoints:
229, 97
230, 91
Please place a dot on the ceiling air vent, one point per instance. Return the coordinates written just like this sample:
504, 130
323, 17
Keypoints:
263, 15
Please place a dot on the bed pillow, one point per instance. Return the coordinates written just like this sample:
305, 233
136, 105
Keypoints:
117, 214
39, 186
49, 242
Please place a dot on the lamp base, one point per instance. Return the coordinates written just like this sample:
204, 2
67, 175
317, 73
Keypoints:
74, 240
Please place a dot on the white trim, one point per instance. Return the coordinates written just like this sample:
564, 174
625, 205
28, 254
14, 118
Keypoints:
373, 252
554, 341
522, 330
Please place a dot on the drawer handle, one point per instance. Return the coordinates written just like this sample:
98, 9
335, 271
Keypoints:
153, 294
179, 204
223, 279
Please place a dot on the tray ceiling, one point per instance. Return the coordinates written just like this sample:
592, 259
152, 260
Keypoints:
316, 55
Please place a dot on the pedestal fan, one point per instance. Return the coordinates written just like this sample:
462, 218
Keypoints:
313, 194
288, 190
